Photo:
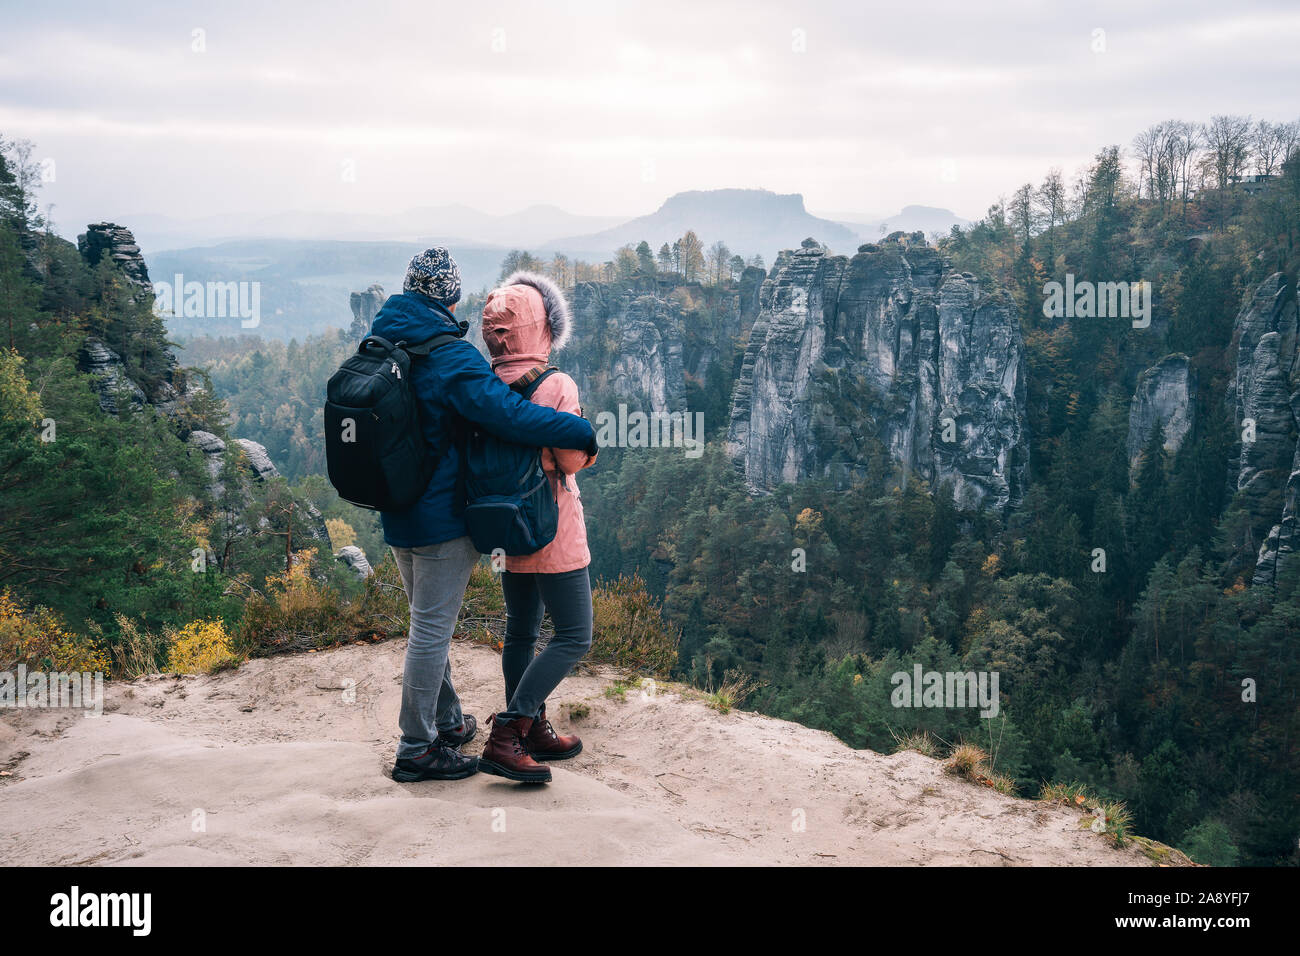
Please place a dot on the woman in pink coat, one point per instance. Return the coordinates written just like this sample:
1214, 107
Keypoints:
524, 321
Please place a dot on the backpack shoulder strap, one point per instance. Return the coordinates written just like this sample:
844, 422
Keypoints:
527, 383
428, 345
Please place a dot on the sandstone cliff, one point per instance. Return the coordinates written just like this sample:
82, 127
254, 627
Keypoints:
168, 392
1265, 472
889, 346
1163, 401
364, 307
646, 341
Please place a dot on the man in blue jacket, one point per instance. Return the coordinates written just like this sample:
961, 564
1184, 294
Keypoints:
454, 384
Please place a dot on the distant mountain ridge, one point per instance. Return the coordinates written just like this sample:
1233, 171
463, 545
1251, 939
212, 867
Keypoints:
453, 223
749, 221
310, 261
926, 219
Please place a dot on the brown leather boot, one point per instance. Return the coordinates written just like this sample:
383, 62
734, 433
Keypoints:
545, 744
506, 754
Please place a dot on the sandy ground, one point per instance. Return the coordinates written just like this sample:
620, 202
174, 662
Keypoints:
274, 764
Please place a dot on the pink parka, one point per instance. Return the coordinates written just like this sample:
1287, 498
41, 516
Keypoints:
524, 321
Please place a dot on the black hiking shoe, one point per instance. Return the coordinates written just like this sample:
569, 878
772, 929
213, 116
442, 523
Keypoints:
462, 734
439, 762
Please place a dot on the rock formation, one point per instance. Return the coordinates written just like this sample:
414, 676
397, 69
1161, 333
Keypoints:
169, 390
1164, 401
1265, 472
164, 384
888, 346
364, 307
644, 341
103, 239
356, 559
108, 377
259, 468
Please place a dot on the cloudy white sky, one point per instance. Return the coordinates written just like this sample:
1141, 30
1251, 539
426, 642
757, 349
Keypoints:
607, 108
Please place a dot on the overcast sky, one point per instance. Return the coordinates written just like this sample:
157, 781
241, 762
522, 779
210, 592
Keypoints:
606, 108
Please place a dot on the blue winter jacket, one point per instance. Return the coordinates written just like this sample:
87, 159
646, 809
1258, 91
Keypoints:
456, 382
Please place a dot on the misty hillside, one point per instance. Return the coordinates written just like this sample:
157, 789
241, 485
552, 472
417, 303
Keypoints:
318, 259
924, 219
304, 283
453, 222
751, 222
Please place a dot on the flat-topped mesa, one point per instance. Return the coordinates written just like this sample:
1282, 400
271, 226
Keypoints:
891, 347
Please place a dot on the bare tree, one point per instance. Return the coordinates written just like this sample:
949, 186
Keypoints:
719, 259
18, 198
1264, 147
1228, 139
560, 270
1051, 200
1146, 146
1289, 137
1023, 214
1184, 142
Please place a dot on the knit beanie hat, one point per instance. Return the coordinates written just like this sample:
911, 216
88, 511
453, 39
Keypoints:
434, 273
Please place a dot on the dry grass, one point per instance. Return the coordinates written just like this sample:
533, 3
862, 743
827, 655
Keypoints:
1104, 816
922, 743
736, 688
971, 763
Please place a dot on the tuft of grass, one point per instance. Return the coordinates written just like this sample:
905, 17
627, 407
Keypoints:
967, 761
1110, 817
483, 611
1075, 794
971, 763
579, 711
736, 688
137, 650
1118, 822
1002, 784
921, 742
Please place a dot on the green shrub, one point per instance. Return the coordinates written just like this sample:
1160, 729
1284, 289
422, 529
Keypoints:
630, 630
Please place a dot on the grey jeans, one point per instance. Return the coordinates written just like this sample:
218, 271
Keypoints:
530, 680
435, 577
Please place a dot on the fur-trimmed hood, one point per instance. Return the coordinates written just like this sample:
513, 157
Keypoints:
526, 317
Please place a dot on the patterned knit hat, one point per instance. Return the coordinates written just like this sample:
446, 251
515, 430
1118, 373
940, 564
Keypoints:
434, 273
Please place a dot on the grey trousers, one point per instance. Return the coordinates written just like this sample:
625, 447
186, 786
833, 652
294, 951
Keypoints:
530, 680
435, 577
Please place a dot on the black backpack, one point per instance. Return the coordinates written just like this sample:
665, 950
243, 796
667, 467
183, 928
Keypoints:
511, 503
375, 453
